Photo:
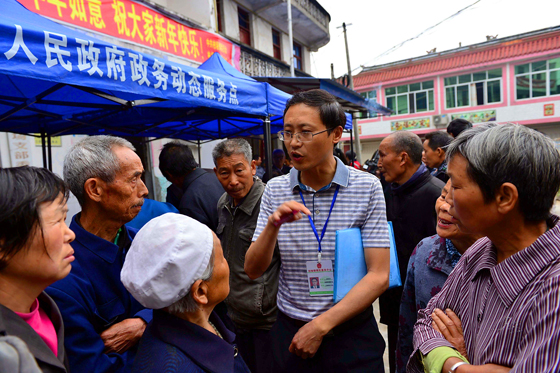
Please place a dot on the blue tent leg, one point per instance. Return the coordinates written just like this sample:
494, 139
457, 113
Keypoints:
199, 157
268, 146
49, 151
44, 148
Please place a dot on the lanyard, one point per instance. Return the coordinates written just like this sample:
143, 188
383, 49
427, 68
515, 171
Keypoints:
326, 222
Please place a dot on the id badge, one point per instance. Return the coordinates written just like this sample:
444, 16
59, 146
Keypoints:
320, 278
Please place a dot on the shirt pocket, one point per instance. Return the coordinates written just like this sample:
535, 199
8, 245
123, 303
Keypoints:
108, 313
246, 239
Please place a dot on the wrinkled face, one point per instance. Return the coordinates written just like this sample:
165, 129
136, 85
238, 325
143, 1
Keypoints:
430, 157
467, 206
445, 228
311, 154
218, 285
390, 164
235, 174
47, 257
124, 196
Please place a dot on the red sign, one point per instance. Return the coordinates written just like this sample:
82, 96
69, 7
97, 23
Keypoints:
548, 110
136, 23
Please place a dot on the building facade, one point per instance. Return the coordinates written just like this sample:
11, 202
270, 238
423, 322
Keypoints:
513, 79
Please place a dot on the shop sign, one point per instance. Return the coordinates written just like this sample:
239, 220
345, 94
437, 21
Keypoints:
139, 24
477, 116
410, 124
548, 110
20, 150
55, 141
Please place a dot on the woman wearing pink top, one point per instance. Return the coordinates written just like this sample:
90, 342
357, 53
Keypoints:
35, 251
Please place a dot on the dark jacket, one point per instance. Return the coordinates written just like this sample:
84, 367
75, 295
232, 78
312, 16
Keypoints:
12, 324
201, 192
92, 298
441, 172
251, 303
411, 208
174, 345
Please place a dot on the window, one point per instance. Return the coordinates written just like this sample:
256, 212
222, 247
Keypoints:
244, 26
276, 48
473, 89
411, 98
298, 58
370, 96
538, 79
219, 13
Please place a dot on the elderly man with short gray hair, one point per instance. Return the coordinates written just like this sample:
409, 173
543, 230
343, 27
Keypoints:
251, 303
410, 195
102, 321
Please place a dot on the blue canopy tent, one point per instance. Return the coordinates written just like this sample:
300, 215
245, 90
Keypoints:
57, 81
276, 102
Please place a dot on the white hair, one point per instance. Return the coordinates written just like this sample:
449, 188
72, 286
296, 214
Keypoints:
91, 157
229, 147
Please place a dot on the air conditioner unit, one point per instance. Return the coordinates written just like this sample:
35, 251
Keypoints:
440, 121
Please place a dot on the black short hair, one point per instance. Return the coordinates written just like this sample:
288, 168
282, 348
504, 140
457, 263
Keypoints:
176, 159
408, 142
457, 126
438, 139
331, 113
24, 189
340, 154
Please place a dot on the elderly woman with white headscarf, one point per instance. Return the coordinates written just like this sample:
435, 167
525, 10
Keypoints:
176, 267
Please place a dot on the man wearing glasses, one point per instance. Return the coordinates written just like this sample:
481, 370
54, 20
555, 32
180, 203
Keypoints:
312, 333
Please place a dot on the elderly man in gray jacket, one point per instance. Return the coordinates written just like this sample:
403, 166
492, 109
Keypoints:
251, 303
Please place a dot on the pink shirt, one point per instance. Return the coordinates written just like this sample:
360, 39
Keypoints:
42, 325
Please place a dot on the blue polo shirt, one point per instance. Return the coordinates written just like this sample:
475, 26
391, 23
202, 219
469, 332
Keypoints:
360, 203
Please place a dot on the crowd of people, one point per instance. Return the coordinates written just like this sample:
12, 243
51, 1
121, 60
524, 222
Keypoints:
237, 275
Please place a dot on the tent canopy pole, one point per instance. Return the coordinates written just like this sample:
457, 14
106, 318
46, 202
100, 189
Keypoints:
268, 146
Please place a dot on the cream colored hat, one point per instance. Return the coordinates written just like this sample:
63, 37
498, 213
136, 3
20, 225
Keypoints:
167, 256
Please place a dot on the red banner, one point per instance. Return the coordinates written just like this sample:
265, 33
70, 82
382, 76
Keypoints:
137, 23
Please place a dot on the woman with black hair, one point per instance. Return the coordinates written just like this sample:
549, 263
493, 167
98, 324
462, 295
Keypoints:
35, 252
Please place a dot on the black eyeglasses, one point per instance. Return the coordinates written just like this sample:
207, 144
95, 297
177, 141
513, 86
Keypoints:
300, 136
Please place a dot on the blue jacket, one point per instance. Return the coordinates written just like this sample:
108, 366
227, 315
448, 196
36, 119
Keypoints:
171, 344
429, 266
92, 298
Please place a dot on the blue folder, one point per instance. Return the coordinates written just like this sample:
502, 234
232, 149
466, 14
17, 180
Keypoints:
350, 263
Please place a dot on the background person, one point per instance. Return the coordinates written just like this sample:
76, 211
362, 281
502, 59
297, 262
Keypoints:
176, 267
505, 287
433, 155
352, 161
431, 262
456, 126
251, 303
35, 251
410, 194
311, 334
201, 189
102, 321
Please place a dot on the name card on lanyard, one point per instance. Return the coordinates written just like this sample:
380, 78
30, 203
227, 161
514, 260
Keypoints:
320, 278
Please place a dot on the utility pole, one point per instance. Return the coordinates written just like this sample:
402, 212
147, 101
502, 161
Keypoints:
332, 71
351, 83
290, 36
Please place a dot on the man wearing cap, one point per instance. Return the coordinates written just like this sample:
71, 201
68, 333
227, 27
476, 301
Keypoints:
102, 321
176, 267
251, 303
312, 334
